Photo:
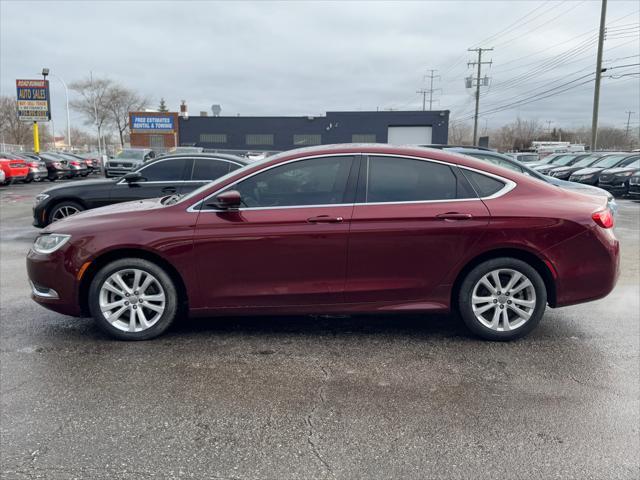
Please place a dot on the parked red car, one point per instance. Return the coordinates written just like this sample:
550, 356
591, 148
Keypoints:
334, 229
15, 169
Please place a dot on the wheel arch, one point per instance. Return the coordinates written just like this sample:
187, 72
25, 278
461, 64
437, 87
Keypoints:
521, 254
57, 201
111, 255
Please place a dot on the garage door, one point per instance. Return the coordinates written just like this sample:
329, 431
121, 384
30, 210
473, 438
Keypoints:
409, 135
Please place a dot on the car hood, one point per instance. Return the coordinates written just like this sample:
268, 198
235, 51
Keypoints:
85, 183
613, 171
587, 171
104, 216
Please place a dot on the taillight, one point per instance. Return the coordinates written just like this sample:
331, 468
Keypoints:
74, 163
603, 218
34, 164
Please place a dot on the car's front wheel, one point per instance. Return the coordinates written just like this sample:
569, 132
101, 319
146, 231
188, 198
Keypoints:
64, 209
133, 299
502, 299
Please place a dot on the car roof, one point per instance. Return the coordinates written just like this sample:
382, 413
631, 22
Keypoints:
441, 146
218, 156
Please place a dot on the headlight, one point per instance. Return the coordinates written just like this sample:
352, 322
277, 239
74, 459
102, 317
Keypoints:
50, 243
624, 174
40, 197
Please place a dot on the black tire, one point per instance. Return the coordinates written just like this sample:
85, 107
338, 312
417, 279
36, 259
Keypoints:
171, 294
52, 179
474, 276
28, 180
58, 206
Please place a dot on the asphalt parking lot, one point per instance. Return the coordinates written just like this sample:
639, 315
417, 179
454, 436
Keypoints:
287, 398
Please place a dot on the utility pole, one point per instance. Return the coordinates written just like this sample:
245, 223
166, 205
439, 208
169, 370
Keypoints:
424, 98
431, 90
596, 93
626, 133
479, 63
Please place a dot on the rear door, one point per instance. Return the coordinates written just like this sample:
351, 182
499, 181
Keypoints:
287, 245
412, 222
160, 178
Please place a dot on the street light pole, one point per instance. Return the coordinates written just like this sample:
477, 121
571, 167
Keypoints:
66, 94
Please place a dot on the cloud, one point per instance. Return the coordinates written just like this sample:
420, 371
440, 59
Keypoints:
297, 58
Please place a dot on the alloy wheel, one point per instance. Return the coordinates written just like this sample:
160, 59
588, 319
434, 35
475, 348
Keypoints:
63, 212
132, 300
503, 300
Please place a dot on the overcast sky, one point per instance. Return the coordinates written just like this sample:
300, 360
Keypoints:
299, 58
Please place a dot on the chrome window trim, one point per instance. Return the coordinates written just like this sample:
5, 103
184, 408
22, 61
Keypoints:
186, 157
508, 184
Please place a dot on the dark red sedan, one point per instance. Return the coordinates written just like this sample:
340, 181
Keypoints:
334, 229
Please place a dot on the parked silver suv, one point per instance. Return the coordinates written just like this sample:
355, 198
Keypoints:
127, 160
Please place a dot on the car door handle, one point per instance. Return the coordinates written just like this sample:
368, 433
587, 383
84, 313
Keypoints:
169, 190
454, 216
325, 219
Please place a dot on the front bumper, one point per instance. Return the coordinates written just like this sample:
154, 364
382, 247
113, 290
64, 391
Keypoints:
53, 280
617, 188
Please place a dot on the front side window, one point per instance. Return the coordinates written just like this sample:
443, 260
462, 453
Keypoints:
164, 171
209, 169
394, 179
631, 162
317, 181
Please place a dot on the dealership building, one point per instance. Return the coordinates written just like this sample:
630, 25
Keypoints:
236, 133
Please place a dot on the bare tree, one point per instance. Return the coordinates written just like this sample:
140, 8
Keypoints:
94, 93
518, 134
119, 102
13, 130
460, 134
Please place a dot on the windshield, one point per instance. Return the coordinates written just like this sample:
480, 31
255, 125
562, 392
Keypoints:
610, 161
136, 154
586, 161
527, 158
633, 162
562, 160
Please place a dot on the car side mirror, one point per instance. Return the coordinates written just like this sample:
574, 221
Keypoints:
229, 200
133, 177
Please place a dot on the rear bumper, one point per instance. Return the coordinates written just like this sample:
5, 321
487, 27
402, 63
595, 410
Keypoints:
587, 266
37, 174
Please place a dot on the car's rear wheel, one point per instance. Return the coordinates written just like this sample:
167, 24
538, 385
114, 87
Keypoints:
502, 299
63, 210
133, 299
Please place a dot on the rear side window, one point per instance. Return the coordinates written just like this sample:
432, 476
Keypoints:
164, 171
484, 185
395, 179
209, 169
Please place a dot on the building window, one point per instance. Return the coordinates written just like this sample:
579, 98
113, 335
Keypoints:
156, 141
363, 138
307, 139
260, 139
213, 137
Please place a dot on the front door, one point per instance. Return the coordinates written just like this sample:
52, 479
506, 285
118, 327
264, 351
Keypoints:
287, 245
414, 220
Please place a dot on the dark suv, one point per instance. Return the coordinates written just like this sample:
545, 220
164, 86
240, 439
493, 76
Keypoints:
128, 160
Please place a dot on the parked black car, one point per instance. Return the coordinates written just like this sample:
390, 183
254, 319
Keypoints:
591, 175
616, 180
77, 165
37, 168
562, 161
583, 161
56, 167
634, 185
173, 174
